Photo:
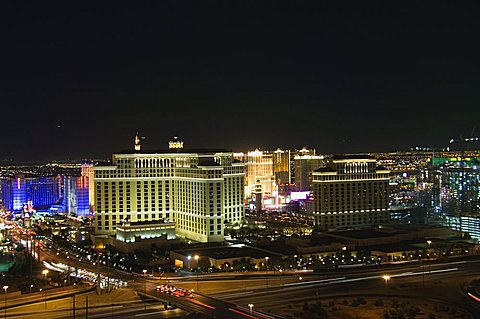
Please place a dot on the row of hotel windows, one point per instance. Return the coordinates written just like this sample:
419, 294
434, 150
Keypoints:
103, 219
329, 221
350, 207
198, 225
372, 185
341, 177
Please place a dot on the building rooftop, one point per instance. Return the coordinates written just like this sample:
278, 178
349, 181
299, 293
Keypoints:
280, 248
317, 240
207, 162
391, 248
364, 233
177, 150
347, 157
325, 170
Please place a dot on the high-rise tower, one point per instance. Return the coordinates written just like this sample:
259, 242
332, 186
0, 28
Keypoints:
200, 190
351, 191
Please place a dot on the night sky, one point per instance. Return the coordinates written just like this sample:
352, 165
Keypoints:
77, 80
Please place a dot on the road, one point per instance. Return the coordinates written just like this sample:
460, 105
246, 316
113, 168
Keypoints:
211, 307
234, 291
441, 283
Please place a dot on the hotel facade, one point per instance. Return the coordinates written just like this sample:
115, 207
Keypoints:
350, 191
199, 190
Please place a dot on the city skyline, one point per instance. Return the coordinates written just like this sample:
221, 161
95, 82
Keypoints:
240, 159
80, 81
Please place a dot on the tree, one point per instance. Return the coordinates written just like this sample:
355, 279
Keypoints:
379, 303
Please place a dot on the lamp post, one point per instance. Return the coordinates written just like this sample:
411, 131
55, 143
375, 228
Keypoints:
196, 264
196, 260
145, 281
5, 288
144, 286
250, 305
45, 272
386, 278
429, 242
266, 272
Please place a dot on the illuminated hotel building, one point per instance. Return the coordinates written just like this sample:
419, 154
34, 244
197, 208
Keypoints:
41, 191
350, 191
87, 174
14, 194
304, 166
76, 195
200, 190
281, 167
459, 192
296, 153
258, 170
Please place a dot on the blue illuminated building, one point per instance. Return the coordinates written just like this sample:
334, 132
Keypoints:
41, 191
76, 195
14, 194
68, 194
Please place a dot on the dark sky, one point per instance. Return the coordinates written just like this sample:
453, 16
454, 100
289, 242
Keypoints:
339, 76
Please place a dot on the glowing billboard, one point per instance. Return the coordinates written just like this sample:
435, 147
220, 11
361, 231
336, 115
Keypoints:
299, 195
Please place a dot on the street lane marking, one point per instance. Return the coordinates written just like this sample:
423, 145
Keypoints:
314, 282
201, 304
445, 264
235, 294
147, 314
242, 313
405, 274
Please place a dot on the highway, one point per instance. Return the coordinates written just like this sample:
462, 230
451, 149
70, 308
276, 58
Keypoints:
232, 292
441, 283
211, 307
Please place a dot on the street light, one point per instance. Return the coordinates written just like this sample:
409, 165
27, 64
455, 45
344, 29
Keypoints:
45, 272
5, 288
386, 278
144, 285
44, 297
429, 242
145, 280
196, 264
250, 305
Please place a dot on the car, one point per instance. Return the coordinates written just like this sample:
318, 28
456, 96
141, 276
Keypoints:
189, 294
